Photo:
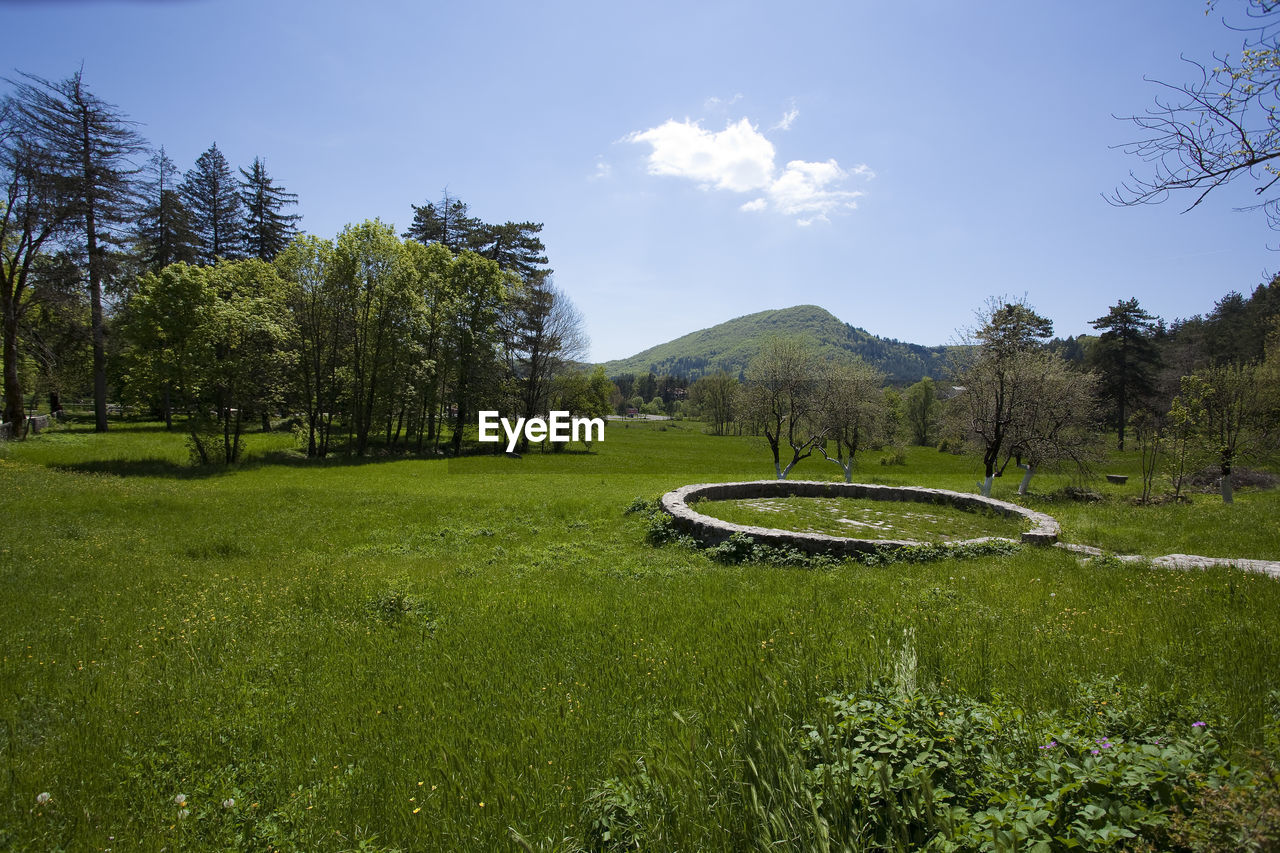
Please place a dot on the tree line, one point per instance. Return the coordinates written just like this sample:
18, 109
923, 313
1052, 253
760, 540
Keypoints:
197, 296
1200, 392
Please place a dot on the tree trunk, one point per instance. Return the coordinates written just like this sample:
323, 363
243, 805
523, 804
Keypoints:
1026, 478
984, 486
13, 414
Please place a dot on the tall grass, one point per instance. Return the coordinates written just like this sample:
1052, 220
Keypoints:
448, 654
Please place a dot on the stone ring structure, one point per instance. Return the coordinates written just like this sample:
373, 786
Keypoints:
712, 531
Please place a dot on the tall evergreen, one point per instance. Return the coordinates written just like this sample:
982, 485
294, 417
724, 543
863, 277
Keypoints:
446, 222
515, 246
212, 196
164, 234
267, 230
90, 145
1126, 357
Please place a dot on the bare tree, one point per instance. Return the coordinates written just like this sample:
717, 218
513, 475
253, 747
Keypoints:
1220, 127
780, 395
851, 414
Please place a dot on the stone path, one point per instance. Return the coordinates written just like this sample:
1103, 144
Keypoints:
1270, 568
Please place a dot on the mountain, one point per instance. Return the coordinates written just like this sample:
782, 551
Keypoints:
731, 346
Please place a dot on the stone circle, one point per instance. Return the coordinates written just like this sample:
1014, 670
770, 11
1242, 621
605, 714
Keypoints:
712, 531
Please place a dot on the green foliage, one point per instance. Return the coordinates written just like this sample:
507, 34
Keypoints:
172, 630
894, 768
731, 346
952, 773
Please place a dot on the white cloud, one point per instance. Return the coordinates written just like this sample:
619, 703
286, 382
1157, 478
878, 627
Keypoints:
741, 159
714, 102
603, 169
737, 158
805, 190
788, 118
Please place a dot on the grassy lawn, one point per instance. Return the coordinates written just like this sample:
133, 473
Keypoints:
865, 519
445, 654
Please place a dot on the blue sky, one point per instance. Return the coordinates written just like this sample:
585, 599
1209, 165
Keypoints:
895, 163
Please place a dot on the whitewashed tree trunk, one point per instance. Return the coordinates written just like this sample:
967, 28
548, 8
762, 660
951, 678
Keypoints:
1026, 478
984, 486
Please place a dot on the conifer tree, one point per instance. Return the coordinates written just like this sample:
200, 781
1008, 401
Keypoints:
212, 197
1126, 358
446, 222
164, 234
90, 145
267, 229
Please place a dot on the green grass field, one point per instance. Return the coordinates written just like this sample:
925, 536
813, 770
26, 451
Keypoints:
455, 654
865, 519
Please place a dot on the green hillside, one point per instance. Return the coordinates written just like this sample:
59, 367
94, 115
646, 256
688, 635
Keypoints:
731, 346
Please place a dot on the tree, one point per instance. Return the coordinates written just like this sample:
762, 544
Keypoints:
212, 197
1006, 405
89, 144
267, 230
1126, 357
163, 234
367, 262
220, 335
780, 395
1057, 425
514, 246
446, 222
714, 395
1221, 127
851, 412
433, 280
921, 410
32, 213
1235, 420
321, 314
482, 290
544, 335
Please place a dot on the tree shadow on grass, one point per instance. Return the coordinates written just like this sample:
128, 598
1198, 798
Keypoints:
167, 468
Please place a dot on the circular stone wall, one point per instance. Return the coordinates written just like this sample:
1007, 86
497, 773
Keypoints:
712, 531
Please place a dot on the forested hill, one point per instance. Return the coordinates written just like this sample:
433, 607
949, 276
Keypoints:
731, 346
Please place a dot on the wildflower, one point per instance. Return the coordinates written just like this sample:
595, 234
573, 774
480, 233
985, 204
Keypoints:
1050, 745
418, 809
180, 800
1093, 752
229, 802
43, 797
183, 813
1198, 724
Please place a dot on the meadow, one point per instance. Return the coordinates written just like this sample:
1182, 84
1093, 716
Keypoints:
485, 653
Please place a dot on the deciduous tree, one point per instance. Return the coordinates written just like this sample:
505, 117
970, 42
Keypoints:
851, 412
1220, 127
780, 394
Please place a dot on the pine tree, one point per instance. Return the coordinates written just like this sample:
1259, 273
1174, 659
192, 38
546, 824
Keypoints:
90, 145
445, 222
212, 197
515, 246
267, 230
164, 234
1126, 358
